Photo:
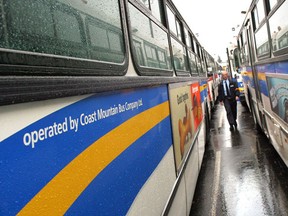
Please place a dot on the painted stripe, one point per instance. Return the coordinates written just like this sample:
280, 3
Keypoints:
216, 184
262, 76
110, 193
60, 193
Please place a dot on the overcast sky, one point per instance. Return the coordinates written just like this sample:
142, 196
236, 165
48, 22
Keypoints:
213, 20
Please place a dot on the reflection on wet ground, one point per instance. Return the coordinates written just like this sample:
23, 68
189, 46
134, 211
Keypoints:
241, 173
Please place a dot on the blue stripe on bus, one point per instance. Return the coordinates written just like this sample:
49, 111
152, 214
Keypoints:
118, 185
281, 67
263, 87
261, 73
25, 171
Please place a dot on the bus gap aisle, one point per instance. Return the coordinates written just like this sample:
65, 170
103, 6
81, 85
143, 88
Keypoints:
241, 174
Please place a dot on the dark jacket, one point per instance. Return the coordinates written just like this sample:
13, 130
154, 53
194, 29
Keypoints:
234, 91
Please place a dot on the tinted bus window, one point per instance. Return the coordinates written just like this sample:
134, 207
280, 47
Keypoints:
193, 63
172, 21
150, 42
193, 44
199, 66
59, 28
187, 38
279, 28
261, 37
179, 34
255, 20
261, 11
154, 6
272, 3
179, 56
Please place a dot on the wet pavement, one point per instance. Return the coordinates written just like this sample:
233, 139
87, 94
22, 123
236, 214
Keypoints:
241, 174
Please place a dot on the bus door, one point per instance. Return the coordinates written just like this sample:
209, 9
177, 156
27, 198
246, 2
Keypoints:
256, 102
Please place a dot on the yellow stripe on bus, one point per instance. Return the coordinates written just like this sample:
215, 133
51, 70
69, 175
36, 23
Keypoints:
203, 87
62, 191
262, 76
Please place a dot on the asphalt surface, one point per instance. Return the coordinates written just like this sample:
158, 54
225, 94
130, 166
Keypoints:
241, 173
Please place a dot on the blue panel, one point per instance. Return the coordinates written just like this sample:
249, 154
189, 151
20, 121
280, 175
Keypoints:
25, 170
114, 189
281, 67
263, 87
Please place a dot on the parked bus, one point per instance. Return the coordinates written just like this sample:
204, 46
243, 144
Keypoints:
263, 53
233, 64
104, 108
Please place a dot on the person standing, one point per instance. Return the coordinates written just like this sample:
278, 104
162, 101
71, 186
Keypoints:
228, 94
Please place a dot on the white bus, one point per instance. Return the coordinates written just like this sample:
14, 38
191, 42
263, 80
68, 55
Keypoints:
103, 108
263, 47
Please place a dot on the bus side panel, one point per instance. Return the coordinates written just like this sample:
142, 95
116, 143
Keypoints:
186, 102
91, 156
158, 186
202, 142
178, 206
191, 175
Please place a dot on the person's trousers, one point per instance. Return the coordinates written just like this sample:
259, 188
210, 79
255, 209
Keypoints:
231, 110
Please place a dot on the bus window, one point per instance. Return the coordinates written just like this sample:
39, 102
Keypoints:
154, 6
193, 64
236, 58
172, 21
198, 50
179, 56
188, 38
272, 4
105, 42
179, 34
36, 26
244, 51
199, 66
151, 40
45, 32
260, 11
146, 3
193, 44
175, 25
279, 28
255, 19
261, 37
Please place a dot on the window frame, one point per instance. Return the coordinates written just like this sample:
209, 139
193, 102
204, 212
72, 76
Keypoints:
274, 10
44, 64
265, 55
142, 70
